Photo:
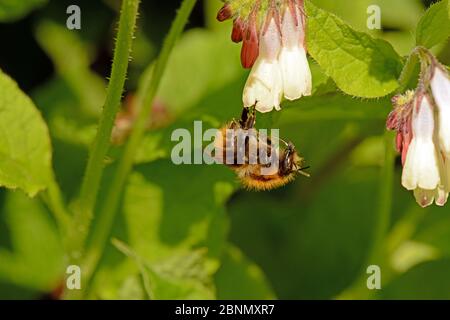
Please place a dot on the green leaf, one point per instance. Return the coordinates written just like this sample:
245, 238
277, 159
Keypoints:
182, 275
401, 14
434, 27
166, 227
32, 255
239, 278
359, 64
398, 18
25, 150
158, 210
11, 10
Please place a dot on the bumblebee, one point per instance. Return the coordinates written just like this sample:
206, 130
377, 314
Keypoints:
257, 170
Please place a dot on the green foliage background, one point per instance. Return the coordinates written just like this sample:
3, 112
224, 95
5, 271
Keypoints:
191, 232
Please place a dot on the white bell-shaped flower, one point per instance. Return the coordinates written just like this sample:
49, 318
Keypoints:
297, 80
264, 87
421, 169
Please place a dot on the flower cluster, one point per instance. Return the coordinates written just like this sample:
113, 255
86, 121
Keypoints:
273, 36
422, 121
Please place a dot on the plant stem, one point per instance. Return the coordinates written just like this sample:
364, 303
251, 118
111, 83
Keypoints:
99, 149
144, 104
421, 54
53, 198
408, 71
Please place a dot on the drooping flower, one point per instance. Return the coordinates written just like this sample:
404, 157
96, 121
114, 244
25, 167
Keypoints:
425, 167
421, 119
295, 70
440, 86
273, 36
264, 87
421, 169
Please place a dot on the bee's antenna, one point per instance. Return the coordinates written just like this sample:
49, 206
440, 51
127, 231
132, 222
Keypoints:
303, 172
287, 144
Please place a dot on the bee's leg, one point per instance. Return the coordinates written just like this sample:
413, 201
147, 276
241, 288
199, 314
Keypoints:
248, 118
234, 125
244, 116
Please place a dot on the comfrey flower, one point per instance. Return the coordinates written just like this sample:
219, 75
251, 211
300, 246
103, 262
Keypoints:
422, 121
273, 35
264, 87
440, 86
294, 64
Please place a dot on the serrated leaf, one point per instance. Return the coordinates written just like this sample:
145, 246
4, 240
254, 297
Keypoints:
401, 14
25, 150
165, 226
11, 10
434, 27
359, 64
181, 276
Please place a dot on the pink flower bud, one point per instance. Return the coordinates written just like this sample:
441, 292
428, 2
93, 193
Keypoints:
250, 47
238, 30
225, 13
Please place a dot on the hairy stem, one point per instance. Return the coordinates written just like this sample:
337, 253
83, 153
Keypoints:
145, 99
99, 149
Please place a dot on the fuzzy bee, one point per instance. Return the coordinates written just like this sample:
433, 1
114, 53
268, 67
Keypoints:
258, 162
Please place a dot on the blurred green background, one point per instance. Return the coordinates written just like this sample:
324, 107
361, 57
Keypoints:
191, 231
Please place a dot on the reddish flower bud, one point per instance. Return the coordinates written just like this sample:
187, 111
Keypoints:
225, 13
392, 121
250, 47
238, 30
398, 142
